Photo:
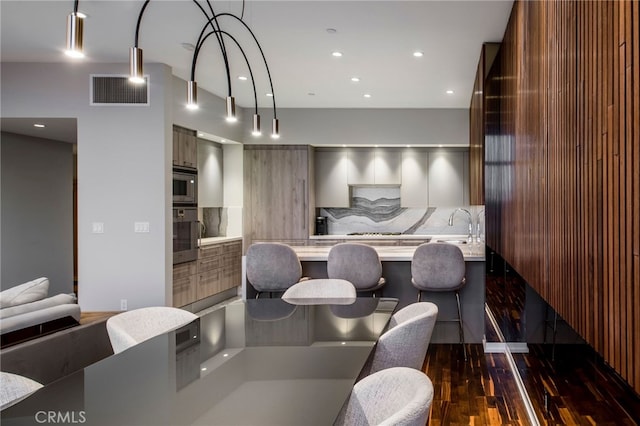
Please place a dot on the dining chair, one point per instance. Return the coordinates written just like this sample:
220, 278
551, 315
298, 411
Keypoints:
440, 267
395, 396
358, 264
272, 267
321, 292
129, 328
14, 388
406, 341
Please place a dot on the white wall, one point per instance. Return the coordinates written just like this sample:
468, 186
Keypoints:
124, 163
210, 116
365, 127
37, 212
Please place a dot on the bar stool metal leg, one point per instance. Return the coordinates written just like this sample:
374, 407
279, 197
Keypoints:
461, 330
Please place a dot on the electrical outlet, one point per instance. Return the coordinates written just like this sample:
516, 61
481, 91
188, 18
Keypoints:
123, 304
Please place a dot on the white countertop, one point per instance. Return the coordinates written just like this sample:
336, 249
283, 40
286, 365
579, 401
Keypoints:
472, 253
387, 237
215, 240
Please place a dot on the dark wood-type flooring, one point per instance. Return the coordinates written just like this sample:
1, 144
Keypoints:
567, 385
481, 391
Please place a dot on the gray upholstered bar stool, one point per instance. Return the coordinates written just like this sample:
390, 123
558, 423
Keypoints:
440, 267
357, 263
272, 267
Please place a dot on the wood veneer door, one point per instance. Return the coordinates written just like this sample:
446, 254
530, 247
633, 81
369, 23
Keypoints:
278, 193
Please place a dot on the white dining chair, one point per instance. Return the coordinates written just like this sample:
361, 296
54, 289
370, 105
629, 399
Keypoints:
129, 328
406, 341
14, 388
392, 397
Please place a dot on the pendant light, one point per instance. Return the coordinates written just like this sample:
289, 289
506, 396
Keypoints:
231, 110
192, 95
75, 32
136, 73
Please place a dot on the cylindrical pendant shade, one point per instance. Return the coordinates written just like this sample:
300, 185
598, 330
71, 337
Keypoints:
192, 95
136, 72
74, 36
231, 109
275, 133
256, 125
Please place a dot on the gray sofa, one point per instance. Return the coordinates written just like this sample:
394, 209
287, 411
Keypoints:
26, 311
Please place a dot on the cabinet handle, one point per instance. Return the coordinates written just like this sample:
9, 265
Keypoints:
304, 204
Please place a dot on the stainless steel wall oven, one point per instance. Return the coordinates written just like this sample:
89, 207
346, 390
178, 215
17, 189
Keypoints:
186, 229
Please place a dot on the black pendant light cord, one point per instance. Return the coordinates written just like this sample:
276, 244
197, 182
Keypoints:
261, 52
144, 6
221, 32
75, 7
215, 26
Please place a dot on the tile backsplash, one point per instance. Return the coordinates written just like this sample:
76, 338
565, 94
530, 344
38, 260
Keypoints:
377, 209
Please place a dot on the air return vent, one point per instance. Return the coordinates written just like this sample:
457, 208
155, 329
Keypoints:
118, 90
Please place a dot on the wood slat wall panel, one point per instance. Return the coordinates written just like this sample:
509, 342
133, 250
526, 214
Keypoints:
476, 137
562, 165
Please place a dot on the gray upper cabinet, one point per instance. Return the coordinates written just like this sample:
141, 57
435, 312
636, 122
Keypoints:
367, 166
360, 166
447, 175
387, 167
210, 174
414, 188
332, 189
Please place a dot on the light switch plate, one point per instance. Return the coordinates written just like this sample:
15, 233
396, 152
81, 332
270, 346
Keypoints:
142, 227
97, 227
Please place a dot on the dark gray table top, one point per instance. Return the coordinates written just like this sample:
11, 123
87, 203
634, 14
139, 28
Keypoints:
256, 362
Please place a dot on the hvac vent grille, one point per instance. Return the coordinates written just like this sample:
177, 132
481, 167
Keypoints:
117, 90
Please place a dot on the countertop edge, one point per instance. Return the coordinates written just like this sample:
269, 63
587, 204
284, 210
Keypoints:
203, 242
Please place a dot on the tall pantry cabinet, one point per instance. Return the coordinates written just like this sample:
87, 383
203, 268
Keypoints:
278, 203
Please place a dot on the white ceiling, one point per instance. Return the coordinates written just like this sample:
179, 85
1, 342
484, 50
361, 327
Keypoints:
377, 39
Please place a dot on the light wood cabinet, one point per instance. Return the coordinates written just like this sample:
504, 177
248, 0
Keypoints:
210, 174
332, 188
185, 147
277, 201
218, 268
414, 188
184, 284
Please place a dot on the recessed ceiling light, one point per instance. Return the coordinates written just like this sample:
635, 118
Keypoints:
367, 95
332, 30
449, 92
311, 94
418, 54
355, 79
242, 77
38, 125
337, 54
270, 94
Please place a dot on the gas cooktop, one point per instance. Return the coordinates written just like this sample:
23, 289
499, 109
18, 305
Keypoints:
375, 233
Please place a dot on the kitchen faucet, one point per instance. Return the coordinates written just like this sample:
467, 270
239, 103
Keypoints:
469, 238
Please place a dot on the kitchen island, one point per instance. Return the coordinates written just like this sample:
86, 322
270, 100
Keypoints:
396, 269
